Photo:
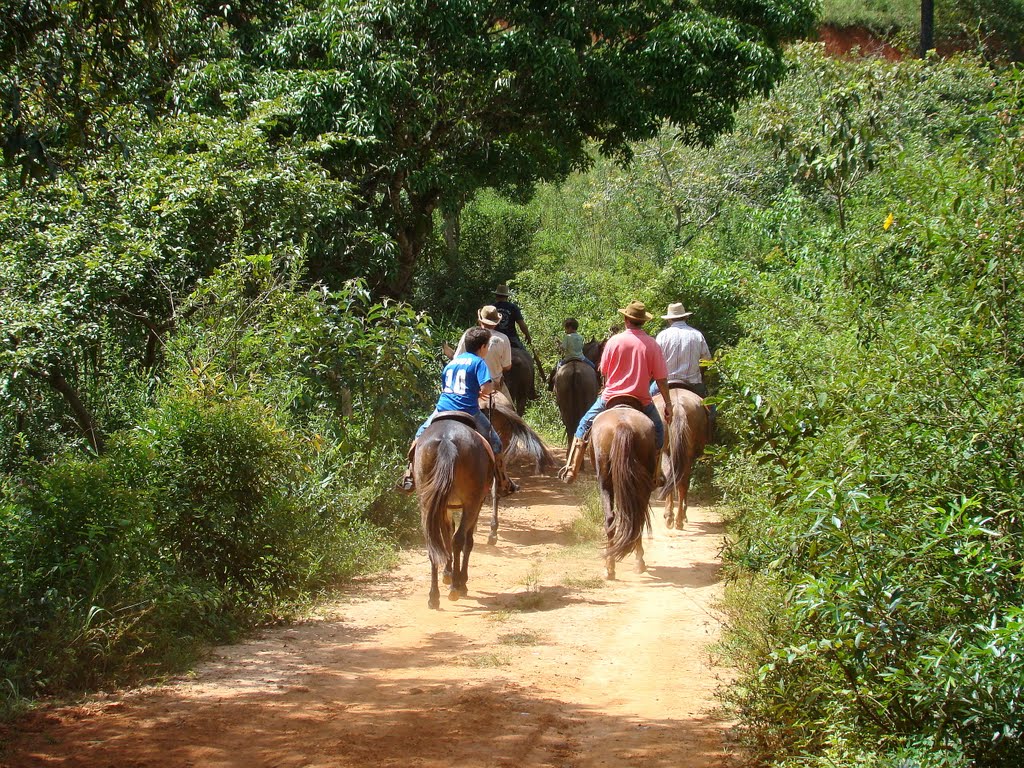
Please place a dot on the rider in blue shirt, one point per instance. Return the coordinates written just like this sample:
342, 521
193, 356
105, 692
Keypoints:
463, 381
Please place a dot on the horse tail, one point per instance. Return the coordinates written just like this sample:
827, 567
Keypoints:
632, 483
523, 441
434, 517
676, 437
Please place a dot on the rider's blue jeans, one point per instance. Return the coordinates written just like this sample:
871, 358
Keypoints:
650, 410
483, 424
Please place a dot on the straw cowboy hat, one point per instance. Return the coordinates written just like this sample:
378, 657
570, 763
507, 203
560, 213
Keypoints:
676, 311
637, 312
501, 290
488, 316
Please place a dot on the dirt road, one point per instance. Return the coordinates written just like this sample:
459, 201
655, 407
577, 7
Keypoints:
545, 664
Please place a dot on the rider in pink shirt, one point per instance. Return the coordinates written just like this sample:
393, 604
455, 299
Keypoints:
629, 362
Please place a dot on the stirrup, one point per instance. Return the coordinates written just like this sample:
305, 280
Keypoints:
574, 461
406, 483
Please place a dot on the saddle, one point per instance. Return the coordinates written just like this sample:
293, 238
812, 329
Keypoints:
624, 401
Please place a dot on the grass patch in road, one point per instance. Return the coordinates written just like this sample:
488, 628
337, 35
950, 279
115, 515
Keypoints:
488, 660
529, 601
584, 582
588, 526
521, 638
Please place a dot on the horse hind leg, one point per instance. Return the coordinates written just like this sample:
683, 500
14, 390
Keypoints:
462, 545
492, 537
608, 505
434, 600
683, 491
640, 566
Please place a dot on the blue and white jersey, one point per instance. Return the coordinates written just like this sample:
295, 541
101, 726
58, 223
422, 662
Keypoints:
461, 381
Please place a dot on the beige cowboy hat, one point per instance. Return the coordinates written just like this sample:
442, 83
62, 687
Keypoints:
637, 312
501, 290
488, 316
676, 311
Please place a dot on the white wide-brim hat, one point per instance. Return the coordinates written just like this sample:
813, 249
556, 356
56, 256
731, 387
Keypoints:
676, 311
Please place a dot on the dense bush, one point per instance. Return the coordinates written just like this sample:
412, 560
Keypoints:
854, 253
877, 397
249, 483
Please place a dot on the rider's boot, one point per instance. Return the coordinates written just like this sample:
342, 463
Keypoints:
574, 461
506, 485
406, 484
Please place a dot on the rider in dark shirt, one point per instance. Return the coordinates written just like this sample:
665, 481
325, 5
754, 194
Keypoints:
511, 317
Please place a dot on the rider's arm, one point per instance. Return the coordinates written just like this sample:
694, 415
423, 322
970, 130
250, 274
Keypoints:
487, 388
663, 389
522, 324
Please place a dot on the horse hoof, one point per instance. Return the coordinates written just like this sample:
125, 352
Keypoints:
455, 594
669, 520
640, 567
447, 579
680, 523
609, 575
492, 539
434, 602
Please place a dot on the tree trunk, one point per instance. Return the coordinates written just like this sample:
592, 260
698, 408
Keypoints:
414, 221
55, 378
452, 230
927, 26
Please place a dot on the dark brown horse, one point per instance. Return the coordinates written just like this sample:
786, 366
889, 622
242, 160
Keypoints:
520, 379
576, 385
518, 442
593, 349
453, 467
624, 452
685, 439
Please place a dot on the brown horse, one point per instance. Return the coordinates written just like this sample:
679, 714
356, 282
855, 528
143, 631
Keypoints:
625, 455
453, 469
576, 385
518, 442
520, 379
685, 439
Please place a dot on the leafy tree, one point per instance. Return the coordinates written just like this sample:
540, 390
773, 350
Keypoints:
421, 104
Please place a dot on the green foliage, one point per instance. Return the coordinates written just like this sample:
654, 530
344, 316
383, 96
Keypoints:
494, 241
870, 387
875, 396
251, 482
97, 267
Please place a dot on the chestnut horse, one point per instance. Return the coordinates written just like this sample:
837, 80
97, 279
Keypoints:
576, 386
453, 468
625, 455
685, 439
518, 441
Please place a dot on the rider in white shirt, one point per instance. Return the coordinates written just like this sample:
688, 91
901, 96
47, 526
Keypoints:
684, 348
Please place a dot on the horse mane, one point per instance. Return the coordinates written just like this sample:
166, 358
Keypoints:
632, 483
434, 491
524, 441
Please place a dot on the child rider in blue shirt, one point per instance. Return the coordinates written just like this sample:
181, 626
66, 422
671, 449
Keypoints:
463, 381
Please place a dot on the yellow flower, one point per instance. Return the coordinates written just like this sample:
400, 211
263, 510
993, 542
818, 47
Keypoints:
888, 222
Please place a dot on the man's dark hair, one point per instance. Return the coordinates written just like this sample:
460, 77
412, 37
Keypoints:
476, 338
572, 324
